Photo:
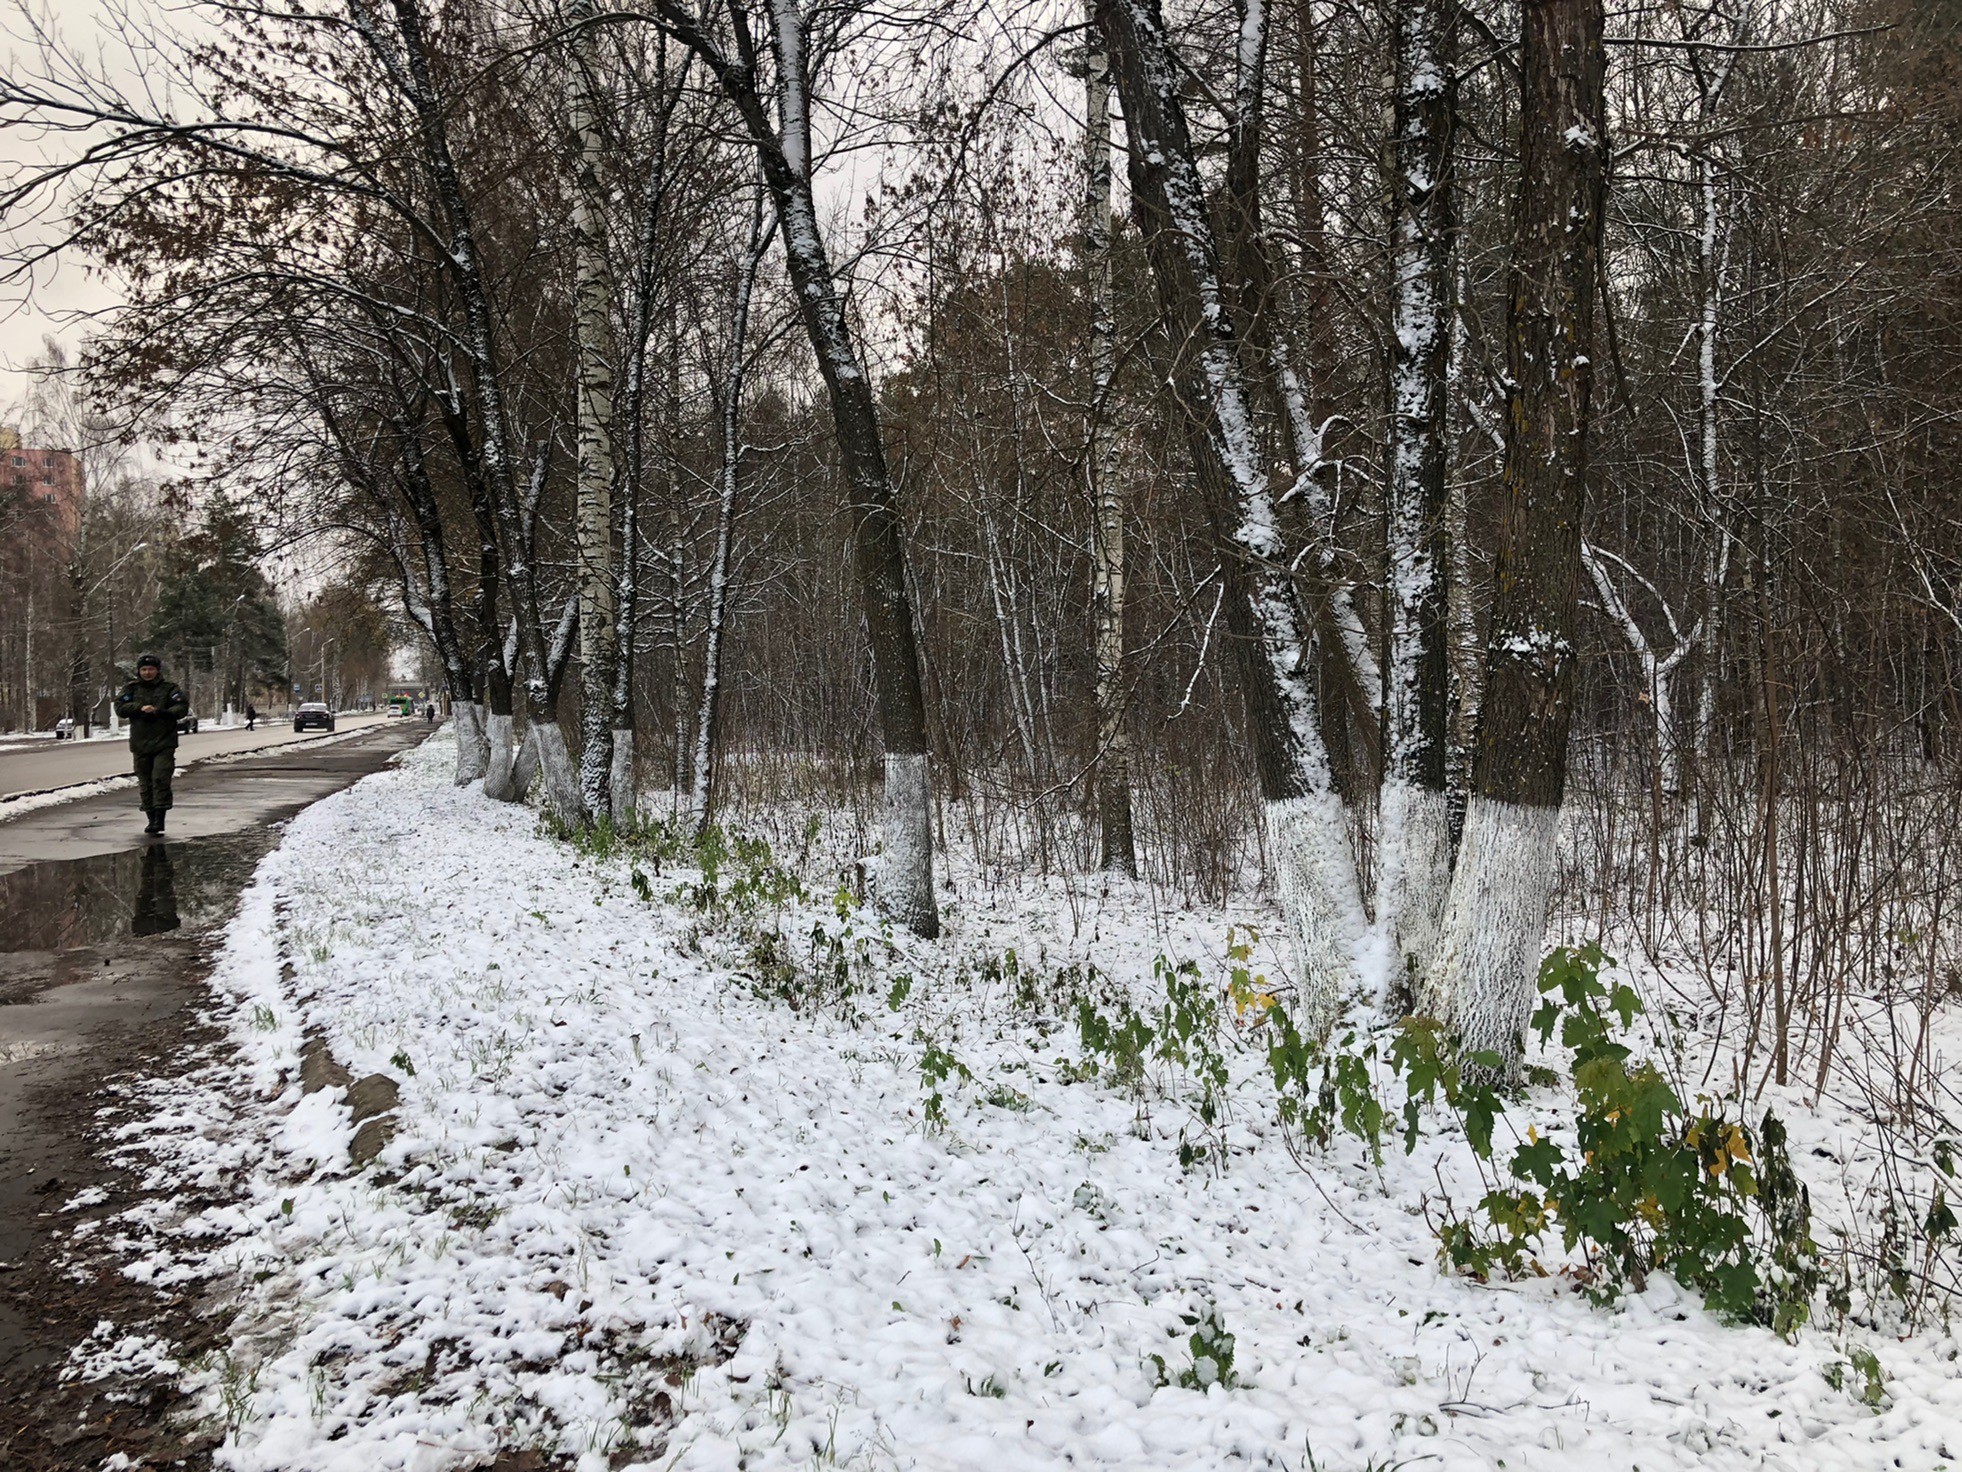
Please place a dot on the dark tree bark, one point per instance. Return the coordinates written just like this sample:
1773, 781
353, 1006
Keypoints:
1488, 951
783, 149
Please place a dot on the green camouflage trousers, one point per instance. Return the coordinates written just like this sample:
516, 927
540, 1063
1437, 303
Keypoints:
153, 773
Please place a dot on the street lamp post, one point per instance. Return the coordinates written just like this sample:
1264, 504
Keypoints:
321, 684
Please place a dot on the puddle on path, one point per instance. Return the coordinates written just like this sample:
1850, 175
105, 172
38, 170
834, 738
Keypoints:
101, 899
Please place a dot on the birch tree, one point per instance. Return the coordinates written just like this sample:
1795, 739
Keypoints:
1113, 781
1414, 829
1657, 665
728, 482
595, 471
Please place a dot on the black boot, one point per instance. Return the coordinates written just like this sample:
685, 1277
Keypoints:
156, 823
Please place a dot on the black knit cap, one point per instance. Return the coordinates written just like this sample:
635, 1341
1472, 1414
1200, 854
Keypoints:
143, 659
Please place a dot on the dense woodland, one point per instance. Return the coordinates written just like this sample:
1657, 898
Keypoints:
1315, 445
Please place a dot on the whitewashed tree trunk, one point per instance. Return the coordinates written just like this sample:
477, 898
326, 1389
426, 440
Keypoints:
499, 767
1483, 971
1306, 818
472, 748
1486, 965
1414, 829
544, 755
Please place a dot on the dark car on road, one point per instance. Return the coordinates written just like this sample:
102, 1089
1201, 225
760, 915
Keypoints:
315, 715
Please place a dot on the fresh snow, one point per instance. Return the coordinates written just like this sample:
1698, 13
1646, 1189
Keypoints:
627, 1193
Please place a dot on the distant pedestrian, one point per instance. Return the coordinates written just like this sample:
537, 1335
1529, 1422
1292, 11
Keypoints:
153, 707
251, 715
429, 712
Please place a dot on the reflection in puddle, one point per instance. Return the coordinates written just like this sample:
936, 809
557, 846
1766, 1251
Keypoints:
161, 887
156, 895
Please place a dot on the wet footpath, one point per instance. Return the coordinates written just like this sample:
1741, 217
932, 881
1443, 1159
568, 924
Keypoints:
105, 943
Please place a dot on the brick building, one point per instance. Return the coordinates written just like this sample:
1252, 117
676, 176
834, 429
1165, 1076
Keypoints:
51, 478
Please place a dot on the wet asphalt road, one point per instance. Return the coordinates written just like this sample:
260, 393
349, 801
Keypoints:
104, 946
36, 766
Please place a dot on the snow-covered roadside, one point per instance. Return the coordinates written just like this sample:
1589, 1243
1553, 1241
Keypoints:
630, 1200
33, 802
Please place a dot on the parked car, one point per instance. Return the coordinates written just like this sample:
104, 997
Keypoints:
187, 724
313, 714
65, 729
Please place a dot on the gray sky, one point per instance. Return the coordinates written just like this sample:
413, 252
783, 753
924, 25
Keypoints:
50, 304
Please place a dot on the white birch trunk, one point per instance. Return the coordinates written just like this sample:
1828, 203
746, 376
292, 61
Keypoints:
1658, 670
1113, 760
725, 515
594, 352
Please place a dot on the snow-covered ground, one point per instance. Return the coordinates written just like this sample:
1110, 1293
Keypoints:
637, 1214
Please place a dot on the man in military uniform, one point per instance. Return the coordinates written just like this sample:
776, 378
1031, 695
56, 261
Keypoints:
153, 706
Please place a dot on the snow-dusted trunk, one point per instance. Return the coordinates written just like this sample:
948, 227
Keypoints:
1306, 819
783, 149
1483, 974
709, 710
1342, 666
1116, 839
594, 354
1414, 833
406, 58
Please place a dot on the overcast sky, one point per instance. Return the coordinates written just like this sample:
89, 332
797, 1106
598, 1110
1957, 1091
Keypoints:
50, 304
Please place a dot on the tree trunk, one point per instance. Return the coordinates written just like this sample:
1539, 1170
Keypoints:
709, 711
905, 886
783, 149
1414, 834
1486, 966
1306, 819
480, 340
598, 636
1113, 762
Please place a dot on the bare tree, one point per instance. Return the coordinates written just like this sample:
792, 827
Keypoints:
784, 151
